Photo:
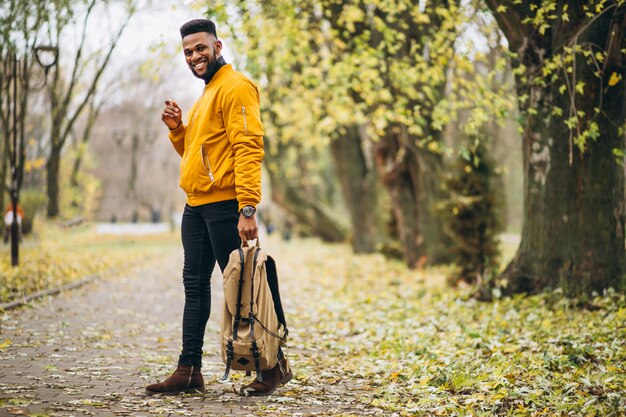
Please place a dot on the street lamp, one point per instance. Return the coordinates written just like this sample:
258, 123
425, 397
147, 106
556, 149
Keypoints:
46, 56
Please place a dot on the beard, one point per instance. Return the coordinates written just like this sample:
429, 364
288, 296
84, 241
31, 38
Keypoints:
211, 69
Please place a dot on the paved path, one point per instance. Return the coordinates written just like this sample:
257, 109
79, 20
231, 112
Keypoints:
91, 352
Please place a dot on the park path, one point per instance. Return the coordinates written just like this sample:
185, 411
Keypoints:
91, 352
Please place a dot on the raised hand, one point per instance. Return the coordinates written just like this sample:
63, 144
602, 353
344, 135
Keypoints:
172, 114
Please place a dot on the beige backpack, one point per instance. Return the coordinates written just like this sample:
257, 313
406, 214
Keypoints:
253, 321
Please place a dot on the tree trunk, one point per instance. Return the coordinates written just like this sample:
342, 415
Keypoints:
53, 167
15, 233
307, 209
76, 168
435, 245
94, 112
399, 171
4, 170
573, 230
358, 185
411, 176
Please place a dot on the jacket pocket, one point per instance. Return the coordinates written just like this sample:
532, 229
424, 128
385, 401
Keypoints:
245, 121
206, 163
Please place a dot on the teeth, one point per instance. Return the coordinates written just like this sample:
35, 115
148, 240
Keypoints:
199, 65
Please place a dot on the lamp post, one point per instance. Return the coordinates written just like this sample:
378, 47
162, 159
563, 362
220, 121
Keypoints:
20, 71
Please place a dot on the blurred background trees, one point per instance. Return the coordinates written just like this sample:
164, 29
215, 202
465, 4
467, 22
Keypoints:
419, 129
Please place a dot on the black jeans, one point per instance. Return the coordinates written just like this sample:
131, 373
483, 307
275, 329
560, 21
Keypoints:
209, 233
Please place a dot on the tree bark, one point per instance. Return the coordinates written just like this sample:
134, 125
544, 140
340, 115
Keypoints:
573, 229
435, 245
411, 176
92, 117
358, 180
400, 174
6, 134
308, 211
53, 167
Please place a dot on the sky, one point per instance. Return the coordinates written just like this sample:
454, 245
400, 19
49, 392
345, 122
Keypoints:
156, 23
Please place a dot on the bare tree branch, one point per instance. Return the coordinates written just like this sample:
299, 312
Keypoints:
77, 59
96, 79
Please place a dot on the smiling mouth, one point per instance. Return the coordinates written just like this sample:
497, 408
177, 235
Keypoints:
200, 66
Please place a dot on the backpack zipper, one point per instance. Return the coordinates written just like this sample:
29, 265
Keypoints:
245, 122
206, 163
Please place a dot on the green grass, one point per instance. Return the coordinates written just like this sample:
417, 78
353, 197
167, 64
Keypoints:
56, 256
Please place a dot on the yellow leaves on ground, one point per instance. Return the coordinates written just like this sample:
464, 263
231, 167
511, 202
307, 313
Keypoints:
405, 341
422, 348
59, 257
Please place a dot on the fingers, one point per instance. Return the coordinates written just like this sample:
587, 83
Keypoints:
172, 103
248, 234
172, 114
171, 109
248, 229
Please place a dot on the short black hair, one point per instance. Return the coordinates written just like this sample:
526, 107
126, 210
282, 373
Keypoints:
198, 25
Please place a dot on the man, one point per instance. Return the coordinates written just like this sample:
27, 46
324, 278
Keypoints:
222, 149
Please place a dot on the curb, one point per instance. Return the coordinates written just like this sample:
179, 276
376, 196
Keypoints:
52, 291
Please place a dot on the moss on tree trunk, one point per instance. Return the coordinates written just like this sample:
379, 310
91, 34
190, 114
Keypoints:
573, 230
357, 177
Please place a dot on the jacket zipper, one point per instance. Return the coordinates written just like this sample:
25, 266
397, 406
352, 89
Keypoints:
206, 163
245, 122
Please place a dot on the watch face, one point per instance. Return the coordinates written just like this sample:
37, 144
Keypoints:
248, 211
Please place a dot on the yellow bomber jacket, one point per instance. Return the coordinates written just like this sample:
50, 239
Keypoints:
222, 144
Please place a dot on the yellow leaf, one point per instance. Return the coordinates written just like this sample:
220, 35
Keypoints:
6, 344
433, 146
580, 87
615, 78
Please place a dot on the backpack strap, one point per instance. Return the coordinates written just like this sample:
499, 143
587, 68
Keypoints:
229, 346
272, 280
255, 348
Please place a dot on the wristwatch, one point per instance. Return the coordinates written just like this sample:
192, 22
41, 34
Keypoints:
248, 211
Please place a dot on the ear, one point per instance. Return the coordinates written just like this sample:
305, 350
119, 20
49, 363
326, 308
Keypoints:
218, 47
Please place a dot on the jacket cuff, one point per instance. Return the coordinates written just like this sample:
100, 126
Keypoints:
242, 204
177, 131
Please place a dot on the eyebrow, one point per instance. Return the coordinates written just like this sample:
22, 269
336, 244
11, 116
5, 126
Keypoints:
195, 46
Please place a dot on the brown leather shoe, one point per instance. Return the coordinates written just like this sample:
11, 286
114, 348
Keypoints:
272, 379
187, 379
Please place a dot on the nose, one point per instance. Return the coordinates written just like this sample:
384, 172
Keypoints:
194, 56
